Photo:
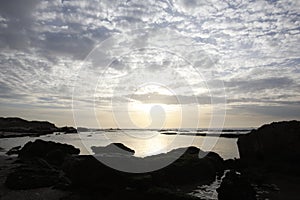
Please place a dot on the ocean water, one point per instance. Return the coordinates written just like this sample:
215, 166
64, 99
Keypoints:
144, 142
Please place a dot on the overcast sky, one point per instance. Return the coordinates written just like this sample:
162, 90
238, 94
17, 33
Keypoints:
116, 56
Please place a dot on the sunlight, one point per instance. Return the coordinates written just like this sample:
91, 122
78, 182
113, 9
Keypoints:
157, 115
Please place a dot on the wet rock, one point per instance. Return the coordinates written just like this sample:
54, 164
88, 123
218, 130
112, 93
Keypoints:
193, 166
29, 178
14, 150
44, 149
114, 148
273, 144
235, 187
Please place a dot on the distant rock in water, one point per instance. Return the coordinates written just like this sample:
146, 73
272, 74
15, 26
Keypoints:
114, 148
82, 129
278, 142
67, 129
21, 125
17, 127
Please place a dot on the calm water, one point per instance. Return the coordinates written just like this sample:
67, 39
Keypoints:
144, 142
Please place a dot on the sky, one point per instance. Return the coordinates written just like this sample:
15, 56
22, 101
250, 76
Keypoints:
150, 64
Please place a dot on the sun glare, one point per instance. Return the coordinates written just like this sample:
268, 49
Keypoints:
157, 115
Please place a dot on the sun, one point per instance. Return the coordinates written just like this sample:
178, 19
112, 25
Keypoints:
149, 115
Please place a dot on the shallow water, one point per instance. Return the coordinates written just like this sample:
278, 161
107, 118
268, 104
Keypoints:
144, 142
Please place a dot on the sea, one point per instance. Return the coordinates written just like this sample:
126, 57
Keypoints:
146, 143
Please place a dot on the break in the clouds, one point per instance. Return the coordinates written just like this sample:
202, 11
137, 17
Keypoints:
251, 46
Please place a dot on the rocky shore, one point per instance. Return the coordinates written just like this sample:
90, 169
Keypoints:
269, 162
49, 164
268, 168
17, 127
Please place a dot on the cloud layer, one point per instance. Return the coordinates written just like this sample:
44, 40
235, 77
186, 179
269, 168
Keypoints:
253, 47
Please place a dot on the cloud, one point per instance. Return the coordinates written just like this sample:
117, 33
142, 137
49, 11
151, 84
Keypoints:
251, 46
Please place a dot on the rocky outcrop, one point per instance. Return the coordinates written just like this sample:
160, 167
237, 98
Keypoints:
17, 127
14, 150
67, 129
48, 150
278, 142
40, 165
37, 174
270, 155
235, 187
114, 148
48, 164
194, 166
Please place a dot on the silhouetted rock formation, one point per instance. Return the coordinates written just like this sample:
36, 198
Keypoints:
47, 164
41, 161
47, 150
20, 125
114, 148
235, 187
14, 150
67, 129
17, 127
278, 142
271, 155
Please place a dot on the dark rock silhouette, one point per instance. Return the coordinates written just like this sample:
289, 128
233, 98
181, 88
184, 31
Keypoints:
235, 187
271, 155
47, 150
114, 148
278, 142
17, 127
45, 164
14, 150
34, 175
67, 129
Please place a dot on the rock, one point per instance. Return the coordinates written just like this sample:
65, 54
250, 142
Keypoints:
114, 148
67, 129
14, 150
35, 174
235, 187
82, 129
30, 178
233, 164
51, 151
189, 168
47, 164
85, 171
18, 125
278, 142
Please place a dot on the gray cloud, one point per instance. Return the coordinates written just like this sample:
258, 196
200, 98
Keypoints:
253, 47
